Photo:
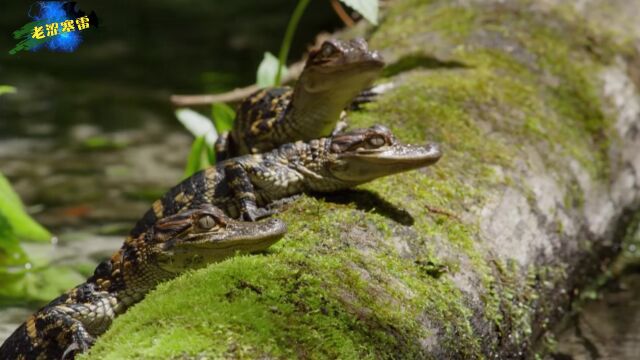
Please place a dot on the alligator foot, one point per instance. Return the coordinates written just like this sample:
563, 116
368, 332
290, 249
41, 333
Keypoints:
81, 343
257, 214
369, 95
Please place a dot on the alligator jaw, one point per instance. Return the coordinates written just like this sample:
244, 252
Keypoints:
371, 62
365, 165
239, 236
407, 155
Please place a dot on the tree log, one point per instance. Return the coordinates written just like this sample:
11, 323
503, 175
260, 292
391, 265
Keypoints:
537, 107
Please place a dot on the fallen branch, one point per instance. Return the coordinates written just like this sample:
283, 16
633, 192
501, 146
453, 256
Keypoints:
342, 14
233, 95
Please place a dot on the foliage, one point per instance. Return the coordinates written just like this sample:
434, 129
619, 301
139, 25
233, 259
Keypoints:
21, 225
196, 157
11, 253
23, 278
288, 37
6, 89
223, 116
367, 8
268, 71
35, 284
205, 130
197, 124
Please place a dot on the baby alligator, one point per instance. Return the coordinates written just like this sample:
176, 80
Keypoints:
331, 79
244, 185
191, 239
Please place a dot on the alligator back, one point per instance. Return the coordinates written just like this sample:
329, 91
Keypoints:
204, 187
254, 130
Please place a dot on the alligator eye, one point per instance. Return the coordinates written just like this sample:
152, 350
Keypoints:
206, 222
376, 141
327, 50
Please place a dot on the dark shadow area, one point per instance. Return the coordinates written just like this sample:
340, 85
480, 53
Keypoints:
629, 269
561, 356
368, 201
124, 71
418, 60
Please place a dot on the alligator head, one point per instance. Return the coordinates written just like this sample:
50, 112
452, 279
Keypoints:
362, 155
201, 235
338, 64
333, 76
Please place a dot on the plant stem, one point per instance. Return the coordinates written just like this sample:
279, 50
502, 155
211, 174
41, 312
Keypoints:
346, 19
288, 37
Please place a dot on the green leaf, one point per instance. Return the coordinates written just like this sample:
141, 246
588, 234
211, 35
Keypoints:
367, 8
6, 89
38, 285
267, 70
22, 225
21, 280
194, 160
223, 117
11, 254
197, 124
211, 155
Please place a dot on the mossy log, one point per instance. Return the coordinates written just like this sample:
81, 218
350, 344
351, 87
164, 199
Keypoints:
536, 105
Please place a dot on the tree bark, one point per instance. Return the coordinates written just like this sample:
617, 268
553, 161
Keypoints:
536, 104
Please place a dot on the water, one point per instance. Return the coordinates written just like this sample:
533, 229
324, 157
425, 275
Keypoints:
90, 139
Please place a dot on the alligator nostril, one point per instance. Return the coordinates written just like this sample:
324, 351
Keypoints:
435, 150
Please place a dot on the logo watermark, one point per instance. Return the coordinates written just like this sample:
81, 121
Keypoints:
56, 26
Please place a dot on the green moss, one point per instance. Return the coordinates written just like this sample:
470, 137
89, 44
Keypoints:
453, 22
546, 79
324, 295
574, 198
340, 285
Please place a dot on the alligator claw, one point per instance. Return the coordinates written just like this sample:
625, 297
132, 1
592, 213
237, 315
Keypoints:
341, 126
369, 95
257, 214
80, 345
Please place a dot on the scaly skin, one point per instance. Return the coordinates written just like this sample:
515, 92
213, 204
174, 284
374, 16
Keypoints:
333, 76
191, 239
187, 229
244, 185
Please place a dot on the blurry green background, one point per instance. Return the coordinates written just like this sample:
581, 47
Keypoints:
89, 139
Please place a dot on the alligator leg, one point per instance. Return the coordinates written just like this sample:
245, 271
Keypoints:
70, 334
369, 95
81, 321
366, 96
244, 193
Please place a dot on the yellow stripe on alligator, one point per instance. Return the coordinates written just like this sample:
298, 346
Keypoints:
183, 199
31, 328
158, 208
